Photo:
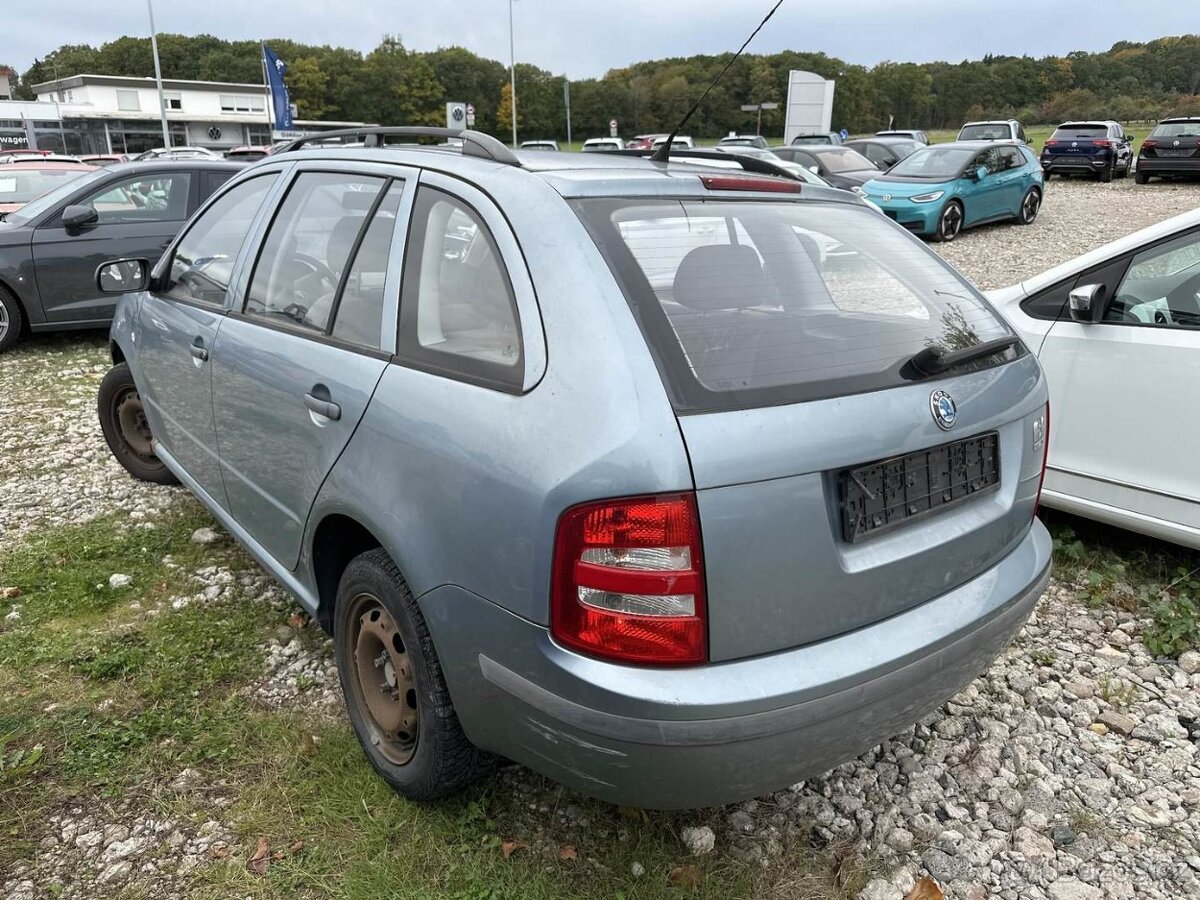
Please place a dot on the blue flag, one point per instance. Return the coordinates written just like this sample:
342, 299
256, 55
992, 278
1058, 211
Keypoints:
281, 104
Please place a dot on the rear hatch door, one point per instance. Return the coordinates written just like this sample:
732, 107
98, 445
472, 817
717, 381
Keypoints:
836, 485
1080, 142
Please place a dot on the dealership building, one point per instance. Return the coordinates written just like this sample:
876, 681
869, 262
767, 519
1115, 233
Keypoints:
87, 114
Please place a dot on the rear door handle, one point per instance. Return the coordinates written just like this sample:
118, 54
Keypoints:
198, 351
321, 407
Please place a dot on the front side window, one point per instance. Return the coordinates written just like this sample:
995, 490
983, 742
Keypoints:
307, 248
757, 303
457, 309
1161, 286
153, 197
203, 261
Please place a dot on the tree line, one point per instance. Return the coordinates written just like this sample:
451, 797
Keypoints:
394, 85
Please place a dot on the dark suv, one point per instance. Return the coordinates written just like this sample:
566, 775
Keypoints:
1173, 148
1088, 148
51, 246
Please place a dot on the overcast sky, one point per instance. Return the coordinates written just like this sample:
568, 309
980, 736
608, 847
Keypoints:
587, 37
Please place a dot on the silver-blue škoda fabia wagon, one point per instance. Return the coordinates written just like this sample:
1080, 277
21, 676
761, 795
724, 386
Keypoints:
675, 483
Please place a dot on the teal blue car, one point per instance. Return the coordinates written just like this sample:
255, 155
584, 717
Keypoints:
940, 190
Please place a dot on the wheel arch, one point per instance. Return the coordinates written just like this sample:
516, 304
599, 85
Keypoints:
337, 539
12, 292
117, 352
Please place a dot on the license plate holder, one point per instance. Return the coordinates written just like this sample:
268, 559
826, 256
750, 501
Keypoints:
889, 493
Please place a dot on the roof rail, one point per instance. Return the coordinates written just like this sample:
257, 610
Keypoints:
748, 163
474, 143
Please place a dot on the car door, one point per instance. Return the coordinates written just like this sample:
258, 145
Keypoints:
986, 197
1122, 147
298, 359
1123, 389
1011, 178
178, 325
137, 216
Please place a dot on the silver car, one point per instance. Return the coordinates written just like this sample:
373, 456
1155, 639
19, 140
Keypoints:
600, 464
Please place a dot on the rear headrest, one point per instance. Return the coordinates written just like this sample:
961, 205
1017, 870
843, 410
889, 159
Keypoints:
721, 276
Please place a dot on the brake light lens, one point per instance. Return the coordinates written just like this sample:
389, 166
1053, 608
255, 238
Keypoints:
1101, 142
741, 183
1041, 441
628, 582
1051, 143
1149, 143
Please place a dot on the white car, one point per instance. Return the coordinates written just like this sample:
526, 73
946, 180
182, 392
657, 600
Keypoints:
598, 145
1118, 333
681, 142
539, 145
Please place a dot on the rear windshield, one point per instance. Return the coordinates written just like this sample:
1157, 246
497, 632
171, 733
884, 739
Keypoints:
757, 303
996, 131
1072, 132
812, 139
1177, 129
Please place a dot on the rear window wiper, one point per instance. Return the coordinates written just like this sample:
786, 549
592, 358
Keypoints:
935, 360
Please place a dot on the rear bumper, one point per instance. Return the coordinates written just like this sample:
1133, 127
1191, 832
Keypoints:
1156, 166
715, 734
1075, 163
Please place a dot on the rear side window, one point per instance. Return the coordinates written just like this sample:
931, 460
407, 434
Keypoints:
458, 315
755, 303
308, 247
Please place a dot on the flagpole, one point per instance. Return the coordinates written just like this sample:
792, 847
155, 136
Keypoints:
512, 72
162, 104
262, 55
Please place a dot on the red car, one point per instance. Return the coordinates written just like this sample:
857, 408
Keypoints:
104, 159
248, 154
643, 141
20, 182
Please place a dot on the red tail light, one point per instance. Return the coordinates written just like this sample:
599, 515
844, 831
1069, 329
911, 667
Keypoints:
1149, 143
628, 581
1101, 143
1050, 143
1045, 428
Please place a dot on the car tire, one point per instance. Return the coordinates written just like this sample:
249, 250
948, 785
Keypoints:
1031, 205
1141, 178
411, 737
1106, 174
12, 320
950, 222
123, 421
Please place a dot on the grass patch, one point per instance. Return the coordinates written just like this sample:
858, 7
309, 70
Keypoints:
1137, 574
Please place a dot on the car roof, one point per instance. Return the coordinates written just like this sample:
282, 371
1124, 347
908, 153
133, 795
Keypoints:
169, 165
883, 139
1180, 119
990, 122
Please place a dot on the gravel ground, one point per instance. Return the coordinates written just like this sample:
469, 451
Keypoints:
1068, 771
1076, 216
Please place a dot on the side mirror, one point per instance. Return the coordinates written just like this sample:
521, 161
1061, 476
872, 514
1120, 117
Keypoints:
123, 276
980, 173
1086, 303
76, 216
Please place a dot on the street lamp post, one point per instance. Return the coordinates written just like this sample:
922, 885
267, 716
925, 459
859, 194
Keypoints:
512, 73
162, 106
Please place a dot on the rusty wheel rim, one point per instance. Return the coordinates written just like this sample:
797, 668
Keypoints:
385, 680
131, 421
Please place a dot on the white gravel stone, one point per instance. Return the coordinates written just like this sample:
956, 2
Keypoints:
119, 581
698, 841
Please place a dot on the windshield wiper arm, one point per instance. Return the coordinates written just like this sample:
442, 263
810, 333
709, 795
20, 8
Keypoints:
935, 360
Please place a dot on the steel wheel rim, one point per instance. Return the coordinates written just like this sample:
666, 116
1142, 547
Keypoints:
951, 221
1030, 207
384, 680
130, 417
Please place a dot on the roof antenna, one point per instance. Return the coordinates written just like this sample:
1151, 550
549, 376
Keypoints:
663, 154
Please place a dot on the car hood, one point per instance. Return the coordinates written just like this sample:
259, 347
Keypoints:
877, 187
859, 177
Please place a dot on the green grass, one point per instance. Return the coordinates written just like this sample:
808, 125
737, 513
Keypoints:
109, 694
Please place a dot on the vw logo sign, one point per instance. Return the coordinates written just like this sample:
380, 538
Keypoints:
214, 133
1074, 143
458, 114
944, 411
886, 197
1175, 144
